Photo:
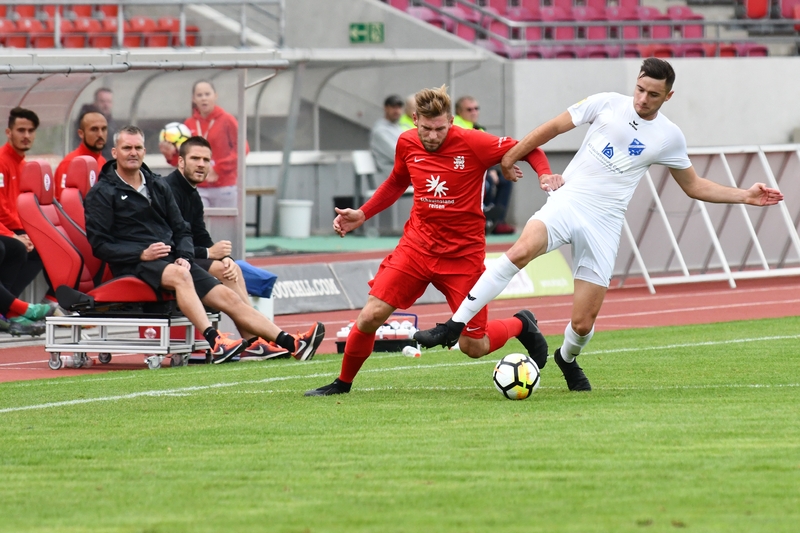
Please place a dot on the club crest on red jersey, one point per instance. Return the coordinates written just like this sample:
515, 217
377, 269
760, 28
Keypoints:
458, 162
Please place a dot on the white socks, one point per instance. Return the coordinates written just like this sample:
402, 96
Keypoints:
573, 343
491, 283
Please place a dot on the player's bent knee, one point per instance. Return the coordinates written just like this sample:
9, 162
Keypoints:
473, 348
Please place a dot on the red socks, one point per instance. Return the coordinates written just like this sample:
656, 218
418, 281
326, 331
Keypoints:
17, 308
499, 331
358, 347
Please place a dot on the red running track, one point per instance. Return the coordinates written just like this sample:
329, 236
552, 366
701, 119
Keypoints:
624, 308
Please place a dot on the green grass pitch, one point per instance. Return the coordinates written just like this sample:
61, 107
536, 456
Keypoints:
688, 429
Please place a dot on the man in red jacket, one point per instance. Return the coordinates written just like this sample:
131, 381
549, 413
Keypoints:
93, 133
443, 242
21, 133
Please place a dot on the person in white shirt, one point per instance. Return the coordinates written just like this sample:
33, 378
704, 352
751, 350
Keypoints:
586, 206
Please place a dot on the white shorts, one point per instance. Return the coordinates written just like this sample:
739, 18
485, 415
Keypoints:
593, 233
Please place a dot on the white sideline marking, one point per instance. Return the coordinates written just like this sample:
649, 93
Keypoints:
187, 390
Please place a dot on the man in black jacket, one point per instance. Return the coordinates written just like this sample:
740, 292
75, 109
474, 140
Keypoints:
134, 224
194, 163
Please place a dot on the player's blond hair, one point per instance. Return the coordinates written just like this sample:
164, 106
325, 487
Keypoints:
432, 103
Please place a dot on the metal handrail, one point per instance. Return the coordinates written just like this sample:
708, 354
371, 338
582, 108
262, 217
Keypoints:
718, 25
180, 4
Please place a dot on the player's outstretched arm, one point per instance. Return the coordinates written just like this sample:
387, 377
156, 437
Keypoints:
708, 191
347, 220
539, 136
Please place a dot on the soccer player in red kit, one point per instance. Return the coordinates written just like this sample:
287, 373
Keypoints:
443, 242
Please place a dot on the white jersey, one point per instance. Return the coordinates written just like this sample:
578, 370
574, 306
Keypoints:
617, 151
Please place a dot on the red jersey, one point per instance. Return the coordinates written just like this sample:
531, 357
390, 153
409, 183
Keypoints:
61, 170
10, 166
447, 215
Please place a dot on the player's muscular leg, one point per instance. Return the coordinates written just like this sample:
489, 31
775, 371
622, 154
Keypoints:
531, 244
474, 348
244, 316
179, 279
373, 315
586, 303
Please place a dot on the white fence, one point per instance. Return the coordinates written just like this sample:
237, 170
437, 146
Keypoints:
670, 238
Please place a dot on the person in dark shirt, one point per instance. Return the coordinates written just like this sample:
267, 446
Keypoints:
194, 163
134, 224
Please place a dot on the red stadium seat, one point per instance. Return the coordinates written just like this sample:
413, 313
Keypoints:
8, 30
402, 5
2, 14
523, 13
629, 3
25, 11
428, 15
80, 11
140, 28
720, 50
108, 10
50, 10
81, 176
83, 29
751, 50
35, 34
756, 9
130, 39
789, 8
559, 33
663, 50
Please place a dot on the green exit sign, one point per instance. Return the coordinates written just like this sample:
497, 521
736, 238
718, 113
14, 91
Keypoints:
366, 32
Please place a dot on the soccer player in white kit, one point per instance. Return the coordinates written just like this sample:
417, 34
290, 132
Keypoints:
586, 206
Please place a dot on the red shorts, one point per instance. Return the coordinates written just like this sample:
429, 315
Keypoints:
405, 274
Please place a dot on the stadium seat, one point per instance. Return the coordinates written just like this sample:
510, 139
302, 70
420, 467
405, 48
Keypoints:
756, 9
108, 10
78, 35
402, 5
81, 175
720, 50
430, 16
24, 11
8, 31
509, 50
130, 40
663, 50
50, 11
629, 4
80, 11
34, 33
559, 33
3, 11
499, 6
751, 50
141, 28
523, 13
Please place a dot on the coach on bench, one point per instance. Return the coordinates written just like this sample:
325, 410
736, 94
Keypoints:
134, 224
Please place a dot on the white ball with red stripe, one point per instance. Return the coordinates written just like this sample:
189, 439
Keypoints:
516, 376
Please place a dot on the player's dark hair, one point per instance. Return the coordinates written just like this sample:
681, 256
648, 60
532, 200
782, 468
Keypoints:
193, 141
21, 112
85, 110
658, 69
432, 103
130, 129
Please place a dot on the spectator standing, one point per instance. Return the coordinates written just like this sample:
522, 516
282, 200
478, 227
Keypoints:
103, 102
497, 191
194, 163
384, 135
221, 130
21, 134
407, 121
93, 133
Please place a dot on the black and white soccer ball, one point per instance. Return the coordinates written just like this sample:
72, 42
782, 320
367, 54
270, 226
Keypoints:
516, 376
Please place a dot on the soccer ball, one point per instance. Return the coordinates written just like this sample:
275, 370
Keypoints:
175, 133
516, 376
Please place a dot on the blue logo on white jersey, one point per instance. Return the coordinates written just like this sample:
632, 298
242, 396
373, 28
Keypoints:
636, 147
608, 151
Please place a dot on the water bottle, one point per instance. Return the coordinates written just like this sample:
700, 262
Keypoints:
68, 361
411, 351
